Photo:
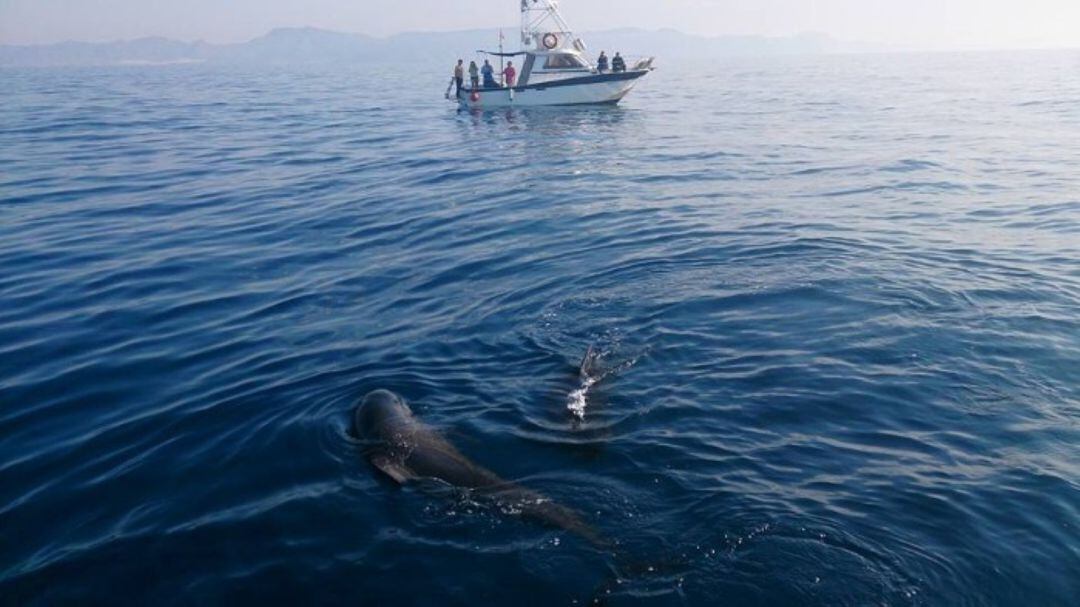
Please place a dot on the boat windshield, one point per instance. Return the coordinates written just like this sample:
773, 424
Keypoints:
564, 61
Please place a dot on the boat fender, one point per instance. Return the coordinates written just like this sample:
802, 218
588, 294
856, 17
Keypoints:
474, 97
551, 41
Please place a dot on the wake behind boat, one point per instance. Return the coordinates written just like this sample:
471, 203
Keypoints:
552, 68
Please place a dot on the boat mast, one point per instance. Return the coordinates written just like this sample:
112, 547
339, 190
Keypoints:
542, 17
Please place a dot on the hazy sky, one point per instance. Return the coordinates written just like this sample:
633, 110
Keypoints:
914, 23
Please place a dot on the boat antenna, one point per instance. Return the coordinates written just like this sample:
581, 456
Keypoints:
502, 77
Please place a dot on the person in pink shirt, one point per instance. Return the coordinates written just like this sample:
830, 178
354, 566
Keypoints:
510, 74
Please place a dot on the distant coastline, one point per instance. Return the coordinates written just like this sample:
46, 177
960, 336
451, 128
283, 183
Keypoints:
310, 45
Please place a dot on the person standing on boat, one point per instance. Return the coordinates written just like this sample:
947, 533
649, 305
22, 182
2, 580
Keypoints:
618, 64
474, 75
459, 75
489, 75
510, 74
602, 63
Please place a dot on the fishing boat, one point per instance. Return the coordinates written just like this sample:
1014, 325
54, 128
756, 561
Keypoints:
553, 68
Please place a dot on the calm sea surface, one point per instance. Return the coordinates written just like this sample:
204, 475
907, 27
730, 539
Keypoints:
839, 297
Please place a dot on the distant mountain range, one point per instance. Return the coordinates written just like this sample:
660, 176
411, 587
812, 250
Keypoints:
309, 45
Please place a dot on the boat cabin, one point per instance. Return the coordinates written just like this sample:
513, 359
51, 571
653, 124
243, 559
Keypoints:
548, 66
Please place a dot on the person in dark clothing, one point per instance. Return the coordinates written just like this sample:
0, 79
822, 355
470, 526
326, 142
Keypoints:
618, 64
459, 76
474, 75
489, 75
602, 63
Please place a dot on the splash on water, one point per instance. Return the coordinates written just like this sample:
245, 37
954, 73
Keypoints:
578, 400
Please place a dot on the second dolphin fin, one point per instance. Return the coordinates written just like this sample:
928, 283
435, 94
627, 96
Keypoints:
589, 363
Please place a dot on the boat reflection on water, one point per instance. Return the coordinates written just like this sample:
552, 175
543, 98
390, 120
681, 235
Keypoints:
556, 118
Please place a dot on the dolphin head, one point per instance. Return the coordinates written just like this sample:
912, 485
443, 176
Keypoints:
381, 412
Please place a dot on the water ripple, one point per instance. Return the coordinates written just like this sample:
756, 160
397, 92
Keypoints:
839, 325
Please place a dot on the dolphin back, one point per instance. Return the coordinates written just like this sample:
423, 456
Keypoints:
543, 510
405, 449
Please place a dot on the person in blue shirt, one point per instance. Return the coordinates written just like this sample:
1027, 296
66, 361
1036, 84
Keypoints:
488, 73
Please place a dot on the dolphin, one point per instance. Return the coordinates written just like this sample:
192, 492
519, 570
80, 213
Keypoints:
588, 375
590, 364
405, 449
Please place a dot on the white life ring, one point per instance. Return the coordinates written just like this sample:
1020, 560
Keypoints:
551, 41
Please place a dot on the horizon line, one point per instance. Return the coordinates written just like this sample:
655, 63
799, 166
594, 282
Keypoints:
882, 46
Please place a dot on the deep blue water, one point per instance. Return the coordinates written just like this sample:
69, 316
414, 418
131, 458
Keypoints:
840, 297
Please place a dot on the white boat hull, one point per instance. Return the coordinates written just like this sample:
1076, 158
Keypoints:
590, 90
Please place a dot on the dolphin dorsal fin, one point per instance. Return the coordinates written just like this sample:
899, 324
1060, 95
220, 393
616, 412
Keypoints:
394, 469
588, 363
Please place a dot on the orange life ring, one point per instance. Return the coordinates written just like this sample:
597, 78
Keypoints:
551, 41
